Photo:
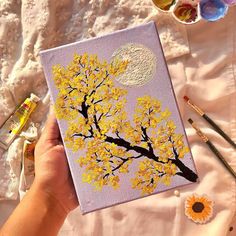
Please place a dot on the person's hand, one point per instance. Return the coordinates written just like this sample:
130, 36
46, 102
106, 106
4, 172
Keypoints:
52, 174
45, 206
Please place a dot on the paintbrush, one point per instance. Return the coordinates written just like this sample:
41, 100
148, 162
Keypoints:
210, 121
212, 147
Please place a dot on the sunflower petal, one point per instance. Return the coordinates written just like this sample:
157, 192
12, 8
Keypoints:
198, 208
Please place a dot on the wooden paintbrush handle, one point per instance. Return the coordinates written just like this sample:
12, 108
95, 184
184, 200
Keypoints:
221, 158
219, 130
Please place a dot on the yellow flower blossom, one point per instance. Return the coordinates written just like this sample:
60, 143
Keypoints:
95, 109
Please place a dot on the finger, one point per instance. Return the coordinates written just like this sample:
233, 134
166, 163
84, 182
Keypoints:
51, 131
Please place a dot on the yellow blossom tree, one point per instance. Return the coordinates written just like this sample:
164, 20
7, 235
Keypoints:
94, 109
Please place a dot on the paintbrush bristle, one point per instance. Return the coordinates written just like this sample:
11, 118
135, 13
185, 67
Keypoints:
190, 121
186, 98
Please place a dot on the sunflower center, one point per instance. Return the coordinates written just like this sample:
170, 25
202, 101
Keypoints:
198, 207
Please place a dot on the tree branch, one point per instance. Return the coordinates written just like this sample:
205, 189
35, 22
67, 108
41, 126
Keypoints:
84, 108
147, 139
123, 143
99, 118
100, 100
81, 135
173, 148
81, 64
96, 123
121, 164
117, 134
100, 84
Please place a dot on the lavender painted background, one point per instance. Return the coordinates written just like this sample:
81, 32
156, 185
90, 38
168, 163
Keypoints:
159, 87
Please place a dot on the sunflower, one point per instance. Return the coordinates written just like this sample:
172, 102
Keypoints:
198, 208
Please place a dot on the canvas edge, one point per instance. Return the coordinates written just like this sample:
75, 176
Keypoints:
96, 38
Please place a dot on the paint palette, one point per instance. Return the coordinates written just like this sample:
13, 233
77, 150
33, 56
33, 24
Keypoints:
192, 11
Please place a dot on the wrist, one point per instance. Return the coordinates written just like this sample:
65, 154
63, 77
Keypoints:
39, 213
51, 205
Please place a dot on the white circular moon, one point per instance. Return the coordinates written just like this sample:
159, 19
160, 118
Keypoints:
141, 67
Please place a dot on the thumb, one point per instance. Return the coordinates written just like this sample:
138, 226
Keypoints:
51, 130
50, 136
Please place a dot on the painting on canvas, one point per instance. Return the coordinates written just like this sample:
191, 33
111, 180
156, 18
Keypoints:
118, 117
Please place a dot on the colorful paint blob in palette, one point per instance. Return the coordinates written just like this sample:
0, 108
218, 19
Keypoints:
192, 11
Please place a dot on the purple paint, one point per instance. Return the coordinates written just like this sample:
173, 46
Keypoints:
213, 10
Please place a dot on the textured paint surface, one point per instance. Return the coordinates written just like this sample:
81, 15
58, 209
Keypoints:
141, 64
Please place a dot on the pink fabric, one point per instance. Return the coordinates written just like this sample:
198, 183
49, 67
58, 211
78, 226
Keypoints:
202, 64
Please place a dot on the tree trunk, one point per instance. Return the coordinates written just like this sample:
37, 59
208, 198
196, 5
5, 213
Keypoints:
185, 171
